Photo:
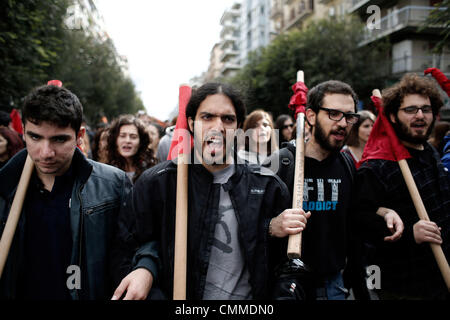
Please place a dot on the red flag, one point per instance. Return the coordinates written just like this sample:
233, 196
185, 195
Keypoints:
440, 78
383, 143
298, 100
16, 122
57, 83
182, 140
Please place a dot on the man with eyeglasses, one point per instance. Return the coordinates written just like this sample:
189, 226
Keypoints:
408, 268
327, 245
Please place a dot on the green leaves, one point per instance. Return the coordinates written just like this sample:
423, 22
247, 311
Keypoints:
36, 46
325, 50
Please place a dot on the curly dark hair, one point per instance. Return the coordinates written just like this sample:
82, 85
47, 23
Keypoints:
144, 157
411, 83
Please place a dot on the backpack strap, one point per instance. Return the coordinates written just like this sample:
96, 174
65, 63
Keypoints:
349, 164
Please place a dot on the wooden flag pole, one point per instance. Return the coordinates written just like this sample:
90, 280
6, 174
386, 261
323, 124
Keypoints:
422, 213
295, 241
14, 213
181, 223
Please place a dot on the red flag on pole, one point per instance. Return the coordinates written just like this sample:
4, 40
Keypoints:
16, 122
182, 140
299, 98
440, 78
383, 143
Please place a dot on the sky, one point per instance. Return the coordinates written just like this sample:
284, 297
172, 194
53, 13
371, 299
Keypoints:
166, 43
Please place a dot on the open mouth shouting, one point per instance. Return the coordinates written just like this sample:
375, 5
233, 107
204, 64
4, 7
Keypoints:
213, 145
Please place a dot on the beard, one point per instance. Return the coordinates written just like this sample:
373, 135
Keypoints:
324, 140
403, 132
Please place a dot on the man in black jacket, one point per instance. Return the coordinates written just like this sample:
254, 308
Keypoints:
237, 213
62, 244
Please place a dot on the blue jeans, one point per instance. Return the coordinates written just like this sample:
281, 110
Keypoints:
332, 289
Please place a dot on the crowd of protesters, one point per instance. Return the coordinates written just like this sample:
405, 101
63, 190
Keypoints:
104, 199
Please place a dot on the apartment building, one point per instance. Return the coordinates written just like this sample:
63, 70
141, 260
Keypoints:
255, 27
228, 49
215, 64
400, 21
287, 15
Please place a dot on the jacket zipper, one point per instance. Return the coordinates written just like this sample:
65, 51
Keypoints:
81, 238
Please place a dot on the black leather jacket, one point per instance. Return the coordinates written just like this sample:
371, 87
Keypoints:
257, 195
97, 194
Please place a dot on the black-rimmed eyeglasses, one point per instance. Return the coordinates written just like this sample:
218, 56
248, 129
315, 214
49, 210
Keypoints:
337, 115
415, 109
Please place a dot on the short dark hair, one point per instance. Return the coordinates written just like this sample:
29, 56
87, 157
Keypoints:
317, 93
411, 83
53, 104
211, 88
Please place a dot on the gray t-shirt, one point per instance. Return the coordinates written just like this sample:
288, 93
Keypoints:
228, 276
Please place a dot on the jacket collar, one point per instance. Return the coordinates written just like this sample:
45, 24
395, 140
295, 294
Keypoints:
11, 172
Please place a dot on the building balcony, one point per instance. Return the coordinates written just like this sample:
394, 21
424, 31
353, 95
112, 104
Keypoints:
360, 6
413, 63
298, 14
229, 69
401, 21
277, 9
229, 15
228, 41
228, 54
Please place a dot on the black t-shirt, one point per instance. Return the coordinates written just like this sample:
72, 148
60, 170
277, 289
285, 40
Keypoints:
48, 240
327, 194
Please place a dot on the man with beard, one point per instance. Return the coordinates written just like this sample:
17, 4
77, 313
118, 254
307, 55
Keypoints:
328, 186
408, 268
232, 248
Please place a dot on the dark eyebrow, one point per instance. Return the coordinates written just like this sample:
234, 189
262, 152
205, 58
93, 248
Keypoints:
60, 136
216, 115
31, 133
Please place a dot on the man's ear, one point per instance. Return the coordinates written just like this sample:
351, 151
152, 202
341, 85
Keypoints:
191, 124
392, 117
80, 135
311, 117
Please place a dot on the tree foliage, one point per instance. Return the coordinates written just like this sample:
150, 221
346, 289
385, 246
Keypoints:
327, 49
440, 16
36, 46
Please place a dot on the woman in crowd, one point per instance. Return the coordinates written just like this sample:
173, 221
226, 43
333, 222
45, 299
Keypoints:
359, 135
155, 132
10, 144
260, 140
99, 147
285, 125
128, 146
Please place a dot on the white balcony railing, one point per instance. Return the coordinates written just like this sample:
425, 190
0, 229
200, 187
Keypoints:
228, 53
420, 63
409, 16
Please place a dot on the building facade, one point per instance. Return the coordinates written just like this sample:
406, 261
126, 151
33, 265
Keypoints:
255, 30
229, 47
